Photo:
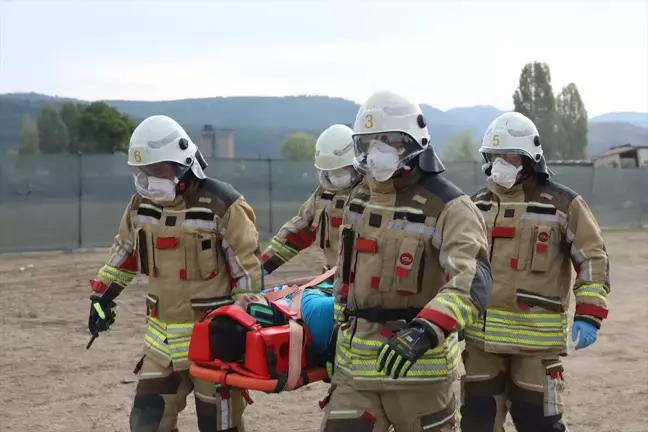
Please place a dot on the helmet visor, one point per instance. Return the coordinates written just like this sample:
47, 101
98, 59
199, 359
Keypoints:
512, 156
405, 146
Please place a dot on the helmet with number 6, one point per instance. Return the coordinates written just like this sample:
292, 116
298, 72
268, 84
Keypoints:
513, 133
334, 158
160, 149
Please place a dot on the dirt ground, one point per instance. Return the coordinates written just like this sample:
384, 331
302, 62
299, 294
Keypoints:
51, 383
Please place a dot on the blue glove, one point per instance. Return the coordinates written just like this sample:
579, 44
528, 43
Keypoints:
588, 334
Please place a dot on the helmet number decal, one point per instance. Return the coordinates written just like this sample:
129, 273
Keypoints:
137, 156
496, 140
369, 121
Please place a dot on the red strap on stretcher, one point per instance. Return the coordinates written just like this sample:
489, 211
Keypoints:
296, 330
276, 295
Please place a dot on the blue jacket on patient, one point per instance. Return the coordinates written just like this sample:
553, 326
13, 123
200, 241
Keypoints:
317, 312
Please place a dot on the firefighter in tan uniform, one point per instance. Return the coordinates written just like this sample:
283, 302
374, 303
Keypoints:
319, 218
195, 239
538, 230
413, 271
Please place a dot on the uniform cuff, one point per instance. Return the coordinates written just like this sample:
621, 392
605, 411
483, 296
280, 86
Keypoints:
445, 322
592, 310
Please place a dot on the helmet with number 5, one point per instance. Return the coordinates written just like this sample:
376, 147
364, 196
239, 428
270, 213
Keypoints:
334, 158
161, 150
389, 132
513, 133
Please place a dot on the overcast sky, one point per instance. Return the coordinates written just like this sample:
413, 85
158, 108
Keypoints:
443, 53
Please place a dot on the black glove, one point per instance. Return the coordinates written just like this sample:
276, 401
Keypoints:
404, 348
101, 315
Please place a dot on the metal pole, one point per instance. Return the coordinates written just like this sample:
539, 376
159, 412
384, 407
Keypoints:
270, 195
79, 198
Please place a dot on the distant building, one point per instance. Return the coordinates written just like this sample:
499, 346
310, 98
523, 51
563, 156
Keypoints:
208, 145
624, 156
221, 148
225, 144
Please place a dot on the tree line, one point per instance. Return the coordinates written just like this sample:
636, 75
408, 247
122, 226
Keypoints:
76, 127
98, 128
561, 119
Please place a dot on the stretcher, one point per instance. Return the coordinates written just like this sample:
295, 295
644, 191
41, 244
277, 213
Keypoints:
275, 357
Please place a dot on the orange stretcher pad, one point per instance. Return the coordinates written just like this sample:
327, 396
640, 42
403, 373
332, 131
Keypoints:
275, 357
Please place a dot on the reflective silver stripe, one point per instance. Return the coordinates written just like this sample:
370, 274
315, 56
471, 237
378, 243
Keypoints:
537, 297
146, 219
122, 252
411, 227
199, 223
543, 217
191, 209
236, 270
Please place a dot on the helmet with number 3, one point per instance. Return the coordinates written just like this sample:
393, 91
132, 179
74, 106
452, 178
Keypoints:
389, 124
513, 133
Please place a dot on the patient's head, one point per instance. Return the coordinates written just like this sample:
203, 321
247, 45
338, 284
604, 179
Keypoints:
245, 301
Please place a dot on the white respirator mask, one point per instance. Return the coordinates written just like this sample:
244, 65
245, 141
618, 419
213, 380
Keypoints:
162, 190
340, 178
382, 160
504, 174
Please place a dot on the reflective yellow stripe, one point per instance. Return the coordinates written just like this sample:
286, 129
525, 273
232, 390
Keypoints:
592, 290
172, 340
548, 330
285, 252
100, 311
113, 274
462, 312
338, 313
358, 357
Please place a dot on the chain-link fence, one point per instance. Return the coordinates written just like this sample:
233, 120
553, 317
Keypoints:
65, 202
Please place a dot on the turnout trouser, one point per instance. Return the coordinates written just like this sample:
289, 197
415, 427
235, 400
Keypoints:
161, 394
529, 388
429, 408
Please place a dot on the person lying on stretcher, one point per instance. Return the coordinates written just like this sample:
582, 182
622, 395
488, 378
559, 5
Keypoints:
316, 310
229, 338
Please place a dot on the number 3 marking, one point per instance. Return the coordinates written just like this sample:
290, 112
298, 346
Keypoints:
369, 121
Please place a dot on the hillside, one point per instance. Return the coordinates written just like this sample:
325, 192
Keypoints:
635, 118
261, 123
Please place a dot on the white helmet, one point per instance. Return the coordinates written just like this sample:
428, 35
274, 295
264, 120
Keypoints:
392, 128
160, 149
513, 133
334, 158
334, 148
